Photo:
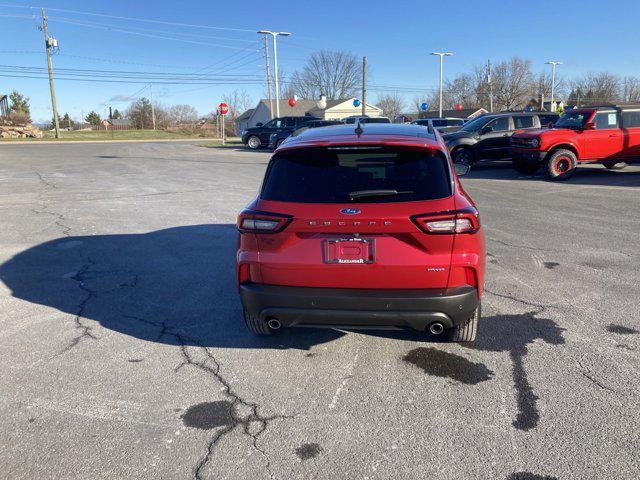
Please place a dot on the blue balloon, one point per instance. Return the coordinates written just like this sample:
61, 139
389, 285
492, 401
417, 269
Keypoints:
424, 106
356, 103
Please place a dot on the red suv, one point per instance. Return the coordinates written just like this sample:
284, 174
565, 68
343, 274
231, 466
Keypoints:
362, 227
606, 134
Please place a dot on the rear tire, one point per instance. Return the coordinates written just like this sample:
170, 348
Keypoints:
254, 142
526, 168
466, 332
463, 155
561, 164
614, 165
255, 325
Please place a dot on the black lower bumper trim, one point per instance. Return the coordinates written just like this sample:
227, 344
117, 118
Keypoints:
359, 308
527, 155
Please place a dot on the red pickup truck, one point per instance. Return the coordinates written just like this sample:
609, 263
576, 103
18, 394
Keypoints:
608, 134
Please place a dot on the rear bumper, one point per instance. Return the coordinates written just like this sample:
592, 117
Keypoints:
359, 308
527, 154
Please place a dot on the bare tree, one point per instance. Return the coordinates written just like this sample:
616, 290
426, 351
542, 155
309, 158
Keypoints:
238, 101
512, 84
631, 89
462, 90
336, 74
599, 87
181, 114
391, 104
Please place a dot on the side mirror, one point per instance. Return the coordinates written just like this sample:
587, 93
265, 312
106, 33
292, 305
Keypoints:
486, 129
259, 124
461, 169
590, 126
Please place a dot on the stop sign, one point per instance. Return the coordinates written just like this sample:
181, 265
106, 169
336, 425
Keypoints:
223, 108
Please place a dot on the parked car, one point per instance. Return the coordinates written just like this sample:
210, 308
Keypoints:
276, 139
365, 119
259, 135
606, 134
441, 124
487, 137
362, 229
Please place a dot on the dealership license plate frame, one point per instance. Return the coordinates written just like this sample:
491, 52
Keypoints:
333, 249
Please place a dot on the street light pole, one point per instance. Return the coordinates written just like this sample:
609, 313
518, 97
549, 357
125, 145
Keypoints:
553, 78
275, 63
441, 55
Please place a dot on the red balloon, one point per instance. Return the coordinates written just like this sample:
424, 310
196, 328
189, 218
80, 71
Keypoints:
292, 102
458, 107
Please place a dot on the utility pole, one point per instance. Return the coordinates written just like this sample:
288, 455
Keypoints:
441, 55
541, 93
275, 63
48, 44
364, 86
266, 57
490, 85
153, 110
553, 77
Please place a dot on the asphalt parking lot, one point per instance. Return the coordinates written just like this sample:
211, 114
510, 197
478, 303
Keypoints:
124, 355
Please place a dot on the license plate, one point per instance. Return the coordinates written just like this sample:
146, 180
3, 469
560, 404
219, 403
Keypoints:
349, 250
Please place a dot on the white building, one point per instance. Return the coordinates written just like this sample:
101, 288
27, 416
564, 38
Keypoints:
335, 110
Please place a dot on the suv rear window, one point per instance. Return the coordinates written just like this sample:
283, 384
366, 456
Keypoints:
546, 120
523, 121
331, 174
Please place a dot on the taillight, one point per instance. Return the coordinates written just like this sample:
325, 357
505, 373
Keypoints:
251, 221
458, 221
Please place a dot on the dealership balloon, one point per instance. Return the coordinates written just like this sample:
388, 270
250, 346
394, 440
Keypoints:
424, 106
322, 103
356, 102
292, 102
458, 107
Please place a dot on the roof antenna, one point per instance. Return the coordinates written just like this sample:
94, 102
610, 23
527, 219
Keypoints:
359, 129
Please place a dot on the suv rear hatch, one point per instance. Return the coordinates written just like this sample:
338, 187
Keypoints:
354, 217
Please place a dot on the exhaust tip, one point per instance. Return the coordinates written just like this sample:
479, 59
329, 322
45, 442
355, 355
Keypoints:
274, 323
436, 328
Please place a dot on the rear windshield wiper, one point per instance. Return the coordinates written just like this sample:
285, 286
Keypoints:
374, 193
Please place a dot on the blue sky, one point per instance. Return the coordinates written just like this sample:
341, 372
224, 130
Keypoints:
395, 36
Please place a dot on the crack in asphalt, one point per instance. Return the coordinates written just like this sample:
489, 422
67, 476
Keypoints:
588, 375
526, 247
253, 423
86, 331
44, 210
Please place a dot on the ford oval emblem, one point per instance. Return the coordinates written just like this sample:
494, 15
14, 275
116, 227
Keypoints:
350, 211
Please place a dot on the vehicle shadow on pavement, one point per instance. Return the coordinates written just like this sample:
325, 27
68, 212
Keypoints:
174, 286
596, 175
510, 333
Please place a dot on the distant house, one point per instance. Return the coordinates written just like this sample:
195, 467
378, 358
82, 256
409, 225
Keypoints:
343, 108
335, 110
121, 122
117, 124
242, 122
4, 105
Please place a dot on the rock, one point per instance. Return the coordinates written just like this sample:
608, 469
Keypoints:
20, 131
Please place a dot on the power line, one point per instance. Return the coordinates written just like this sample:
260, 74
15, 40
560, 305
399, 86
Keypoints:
145, 20
141, 80
149, 35
152, 30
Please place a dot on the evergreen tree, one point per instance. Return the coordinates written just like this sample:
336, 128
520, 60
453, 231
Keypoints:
92, 118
